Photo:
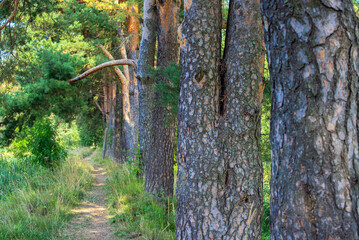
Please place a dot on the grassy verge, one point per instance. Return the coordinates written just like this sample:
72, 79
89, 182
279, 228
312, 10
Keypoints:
266, 196
35, 201
136, 214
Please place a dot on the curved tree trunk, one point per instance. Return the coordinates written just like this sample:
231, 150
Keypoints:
146, 92
159, 170
314, 66
219, 185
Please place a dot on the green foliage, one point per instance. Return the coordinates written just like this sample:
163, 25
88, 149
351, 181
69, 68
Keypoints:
69, 32
266, 200
90, 126
49, 94
68, 135
266, 112
356, 6
35, 201
168, 89
137, 213
40, 142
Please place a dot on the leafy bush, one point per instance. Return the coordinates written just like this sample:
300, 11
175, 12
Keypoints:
40, 143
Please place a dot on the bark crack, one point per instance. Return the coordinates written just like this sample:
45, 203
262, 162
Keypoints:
223, 93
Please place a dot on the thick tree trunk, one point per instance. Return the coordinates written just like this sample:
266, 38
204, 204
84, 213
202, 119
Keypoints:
146, 92
219, 190
314, 66
159, 170
240, 110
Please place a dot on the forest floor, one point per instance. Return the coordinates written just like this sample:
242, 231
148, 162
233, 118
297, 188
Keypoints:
91, 220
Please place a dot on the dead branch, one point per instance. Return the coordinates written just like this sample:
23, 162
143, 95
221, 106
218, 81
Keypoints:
102, 66
12, 14
118, 72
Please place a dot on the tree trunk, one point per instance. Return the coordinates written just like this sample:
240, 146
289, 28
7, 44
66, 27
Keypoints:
146, 92
112, 137
314, 66
133, 30
129, 123
219, 185
240, 110
159, 170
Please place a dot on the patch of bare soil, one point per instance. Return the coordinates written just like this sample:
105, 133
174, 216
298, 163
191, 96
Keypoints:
91, 219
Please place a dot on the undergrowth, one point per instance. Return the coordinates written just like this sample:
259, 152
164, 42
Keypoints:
35, 201
138, 215
266, 202
135, 213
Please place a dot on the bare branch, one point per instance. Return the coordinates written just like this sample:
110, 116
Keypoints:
12, 14
102, 66
118, 72
2, 3
98, 106
124, 55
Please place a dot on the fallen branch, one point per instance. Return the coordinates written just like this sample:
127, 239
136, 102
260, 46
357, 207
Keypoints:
12, 14
102, 66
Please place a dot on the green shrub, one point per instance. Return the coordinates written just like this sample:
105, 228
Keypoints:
40, 143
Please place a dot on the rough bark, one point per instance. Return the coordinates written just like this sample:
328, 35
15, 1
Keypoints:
146, 92
312, 49
240, 109
159, 170
219, 184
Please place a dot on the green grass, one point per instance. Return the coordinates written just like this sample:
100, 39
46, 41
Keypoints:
137, 214
36, 201
266, 196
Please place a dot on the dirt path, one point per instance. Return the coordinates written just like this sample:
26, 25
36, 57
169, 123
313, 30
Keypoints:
92, 219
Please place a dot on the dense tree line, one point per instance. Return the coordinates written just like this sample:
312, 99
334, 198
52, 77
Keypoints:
312, 52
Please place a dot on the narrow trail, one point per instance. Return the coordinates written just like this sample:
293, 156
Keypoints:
92, 218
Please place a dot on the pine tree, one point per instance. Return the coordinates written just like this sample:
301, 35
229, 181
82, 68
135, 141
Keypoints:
219, 184
314, 66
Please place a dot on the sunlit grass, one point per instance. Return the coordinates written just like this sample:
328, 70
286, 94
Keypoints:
38, 204
135, 213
